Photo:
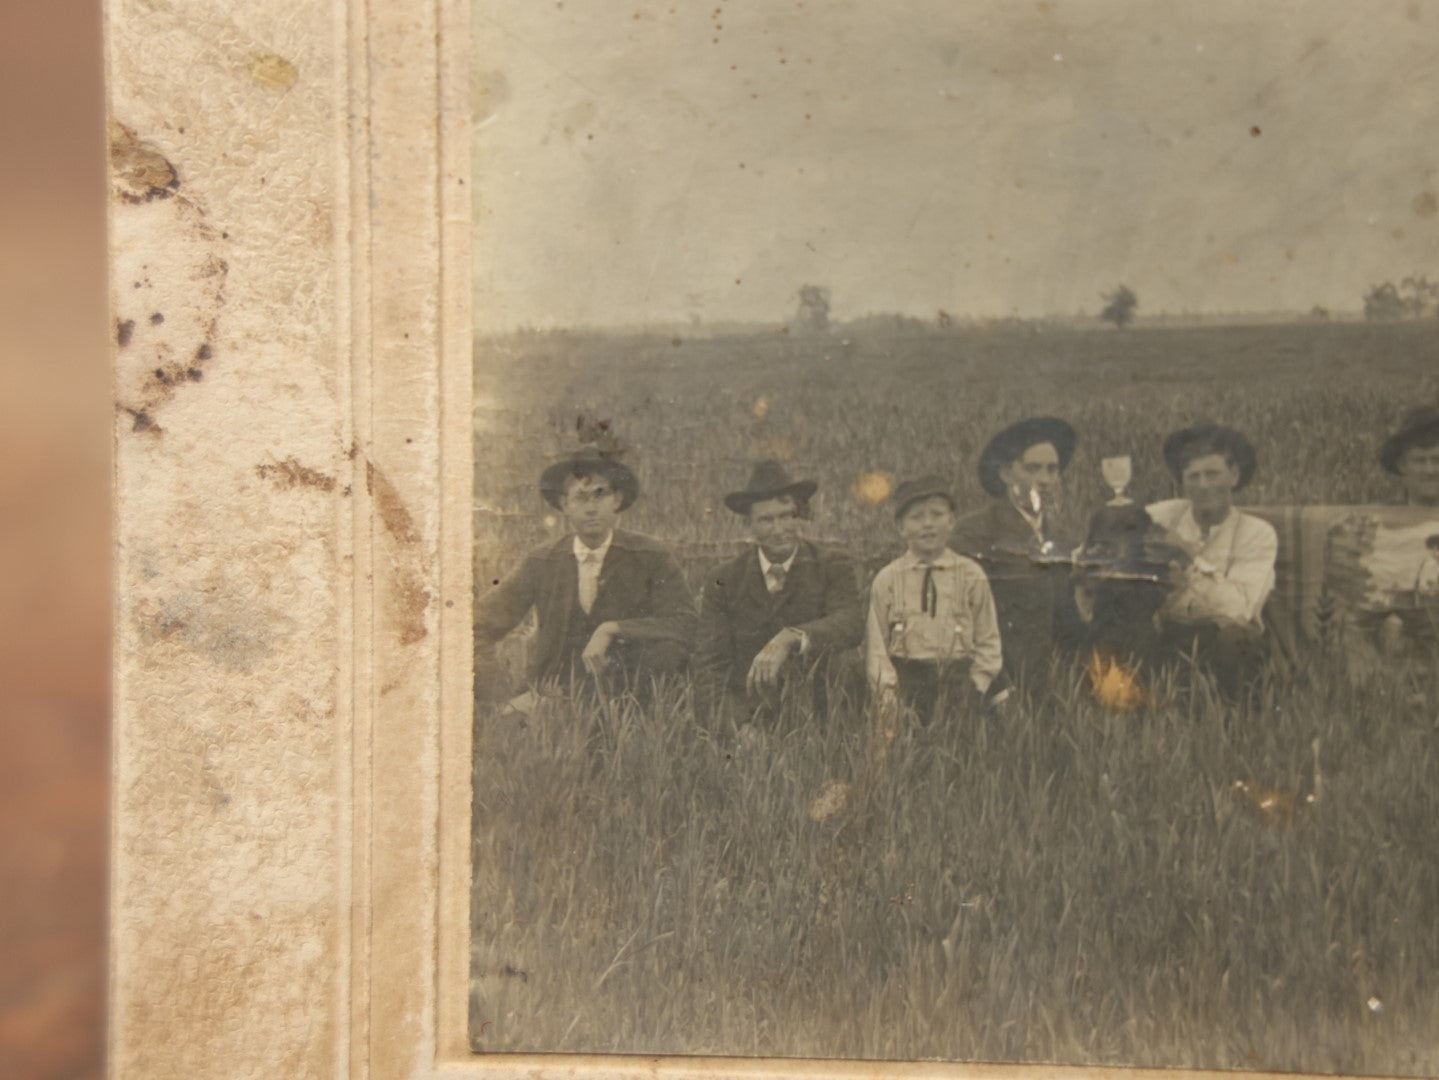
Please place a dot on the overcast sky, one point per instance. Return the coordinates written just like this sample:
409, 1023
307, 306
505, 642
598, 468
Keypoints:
641, 162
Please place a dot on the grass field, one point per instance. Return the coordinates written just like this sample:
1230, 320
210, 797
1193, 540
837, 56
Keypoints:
1073, 884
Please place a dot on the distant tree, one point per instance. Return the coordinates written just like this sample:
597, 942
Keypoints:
1413, 298
1382, 302
1119, 306
1319, 311
813, 313
1421, 295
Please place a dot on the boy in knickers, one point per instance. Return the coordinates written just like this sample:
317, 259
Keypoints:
932, 637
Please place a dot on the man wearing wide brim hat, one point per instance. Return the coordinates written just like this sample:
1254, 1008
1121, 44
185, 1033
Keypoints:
780, 611
588, 461
1020, 543
1412, 454
1228, 556
609, 604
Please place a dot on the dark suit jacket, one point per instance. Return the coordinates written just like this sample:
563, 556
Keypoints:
641, 587
1033, 593
738, 614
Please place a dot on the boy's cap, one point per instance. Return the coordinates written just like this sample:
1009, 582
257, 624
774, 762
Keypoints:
926, 487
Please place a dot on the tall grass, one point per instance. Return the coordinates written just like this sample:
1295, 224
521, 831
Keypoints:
1066, 884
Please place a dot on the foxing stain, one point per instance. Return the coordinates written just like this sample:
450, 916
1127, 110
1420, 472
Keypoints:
394, 515
273, 72
142, 421
290, 474
138, 170
409, 597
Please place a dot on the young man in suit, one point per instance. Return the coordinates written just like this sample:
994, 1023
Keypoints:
778, 612
1018, 542
611, 605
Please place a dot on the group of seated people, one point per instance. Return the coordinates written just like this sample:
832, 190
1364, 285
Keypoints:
978, 604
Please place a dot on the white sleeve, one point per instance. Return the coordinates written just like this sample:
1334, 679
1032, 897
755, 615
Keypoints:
1236, 593
988, 649
877, 668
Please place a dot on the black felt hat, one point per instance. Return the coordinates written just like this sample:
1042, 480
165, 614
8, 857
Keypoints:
1208, 437
588, 461
769, 480
1420, 427
911, 491
1014, 440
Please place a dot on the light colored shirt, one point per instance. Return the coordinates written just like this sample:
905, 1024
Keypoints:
769, 583
590, 561
765, 564
962, 626
1034, 519
1233, 574
1427, 581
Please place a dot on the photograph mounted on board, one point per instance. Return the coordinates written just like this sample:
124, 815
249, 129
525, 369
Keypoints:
956, 533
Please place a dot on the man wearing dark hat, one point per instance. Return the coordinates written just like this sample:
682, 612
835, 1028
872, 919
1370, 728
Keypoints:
1412, 454
609, 603
1019, 543
1215, 610
782, 609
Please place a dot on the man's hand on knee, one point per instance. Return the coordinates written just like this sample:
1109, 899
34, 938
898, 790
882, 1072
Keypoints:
769, 661
596, 655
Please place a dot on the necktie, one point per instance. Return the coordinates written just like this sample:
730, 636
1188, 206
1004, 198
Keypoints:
774, 578
929, 594
589, 579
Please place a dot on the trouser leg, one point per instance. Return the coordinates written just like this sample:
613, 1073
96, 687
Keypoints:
918, 686
1233, 655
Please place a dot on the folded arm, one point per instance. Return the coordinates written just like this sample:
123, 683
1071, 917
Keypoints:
877, 667
842, 624
672, 608
1235, 593
988, 649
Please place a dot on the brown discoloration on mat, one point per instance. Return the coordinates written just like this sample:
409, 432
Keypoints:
410, 600
393, 513
409, 595
273, 72
138, 170
169, 349
290, 474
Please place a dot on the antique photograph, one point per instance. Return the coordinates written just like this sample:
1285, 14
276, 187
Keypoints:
956, 532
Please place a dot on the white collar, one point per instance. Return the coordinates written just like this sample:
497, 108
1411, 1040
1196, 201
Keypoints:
582, 549
1034, 517
943, 561
1225, 524
765, 562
